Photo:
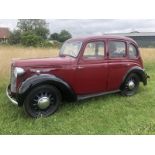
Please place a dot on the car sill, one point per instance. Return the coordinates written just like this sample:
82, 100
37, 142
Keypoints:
82, 97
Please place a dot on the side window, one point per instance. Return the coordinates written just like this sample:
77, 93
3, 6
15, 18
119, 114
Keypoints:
133, 53
94, 50
117, 49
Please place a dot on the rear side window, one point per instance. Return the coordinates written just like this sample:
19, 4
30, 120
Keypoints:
117, 49
133, 53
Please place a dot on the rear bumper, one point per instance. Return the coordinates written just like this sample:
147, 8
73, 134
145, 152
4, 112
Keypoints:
145, 78
8, 94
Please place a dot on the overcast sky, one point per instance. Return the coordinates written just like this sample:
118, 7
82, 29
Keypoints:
78, 27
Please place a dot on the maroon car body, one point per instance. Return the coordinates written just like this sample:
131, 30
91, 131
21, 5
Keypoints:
90, 69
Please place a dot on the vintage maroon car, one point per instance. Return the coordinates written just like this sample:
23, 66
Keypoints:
86, 67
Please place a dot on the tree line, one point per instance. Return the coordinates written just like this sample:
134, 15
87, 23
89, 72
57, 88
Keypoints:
35, 32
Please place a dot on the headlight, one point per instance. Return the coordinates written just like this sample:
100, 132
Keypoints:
18, 71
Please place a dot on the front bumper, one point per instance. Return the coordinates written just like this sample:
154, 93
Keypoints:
8, 93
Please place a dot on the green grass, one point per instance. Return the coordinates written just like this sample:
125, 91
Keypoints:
109, 114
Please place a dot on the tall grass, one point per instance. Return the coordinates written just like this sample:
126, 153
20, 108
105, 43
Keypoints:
7, 53
148, 54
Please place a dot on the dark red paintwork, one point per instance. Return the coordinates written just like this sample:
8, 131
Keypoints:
84, 76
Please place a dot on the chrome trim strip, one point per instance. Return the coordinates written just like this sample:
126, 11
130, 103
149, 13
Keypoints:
82, 97
10, 98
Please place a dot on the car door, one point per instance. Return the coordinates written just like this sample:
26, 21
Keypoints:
91, 73
117, 63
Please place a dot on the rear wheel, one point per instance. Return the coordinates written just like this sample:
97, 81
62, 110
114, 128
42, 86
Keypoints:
42, 101
130, 85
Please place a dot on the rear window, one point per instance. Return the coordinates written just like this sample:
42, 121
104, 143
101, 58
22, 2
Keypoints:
133, 53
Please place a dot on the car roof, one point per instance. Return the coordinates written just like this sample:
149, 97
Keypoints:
87, 38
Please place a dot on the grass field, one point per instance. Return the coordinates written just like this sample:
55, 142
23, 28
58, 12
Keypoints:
110, 114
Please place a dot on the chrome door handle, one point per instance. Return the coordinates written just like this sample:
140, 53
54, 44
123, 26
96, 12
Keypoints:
80, 67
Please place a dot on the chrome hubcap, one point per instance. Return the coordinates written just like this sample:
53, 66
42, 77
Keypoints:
43, 102
131, 85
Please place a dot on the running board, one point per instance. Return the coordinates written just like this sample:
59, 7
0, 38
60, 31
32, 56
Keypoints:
82, 97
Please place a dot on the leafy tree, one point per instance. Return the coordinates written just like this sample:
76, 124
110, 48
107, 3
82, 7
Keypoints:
15, 37
61, 37
33, 26
30, 39
54, 36
64, 35
34, 32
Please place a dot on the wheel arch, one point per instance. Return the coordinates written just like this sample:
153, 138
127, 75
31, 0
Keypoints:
137, 70
36, 80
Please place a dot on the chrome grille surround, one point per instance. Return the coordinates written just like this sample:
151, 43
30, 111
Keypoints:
13, 80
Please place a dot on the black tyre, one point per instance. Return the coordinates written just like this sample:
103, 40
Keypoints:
42, 101
130, 85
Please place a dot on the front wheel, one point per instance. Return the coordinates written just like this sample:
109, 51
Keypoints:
42, 101
130, 85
